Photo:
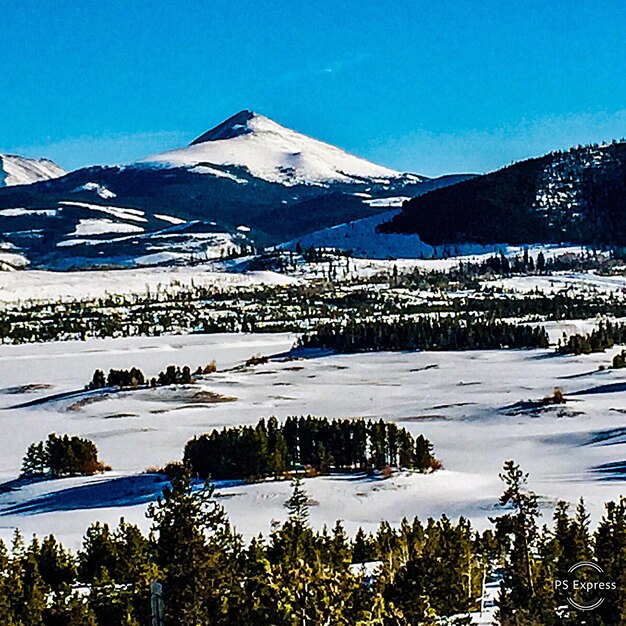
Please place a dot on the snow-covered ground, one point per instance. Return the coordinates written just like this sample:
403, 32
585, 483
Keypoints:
361, 239
383, 252
576, 281
466, 403
44, 285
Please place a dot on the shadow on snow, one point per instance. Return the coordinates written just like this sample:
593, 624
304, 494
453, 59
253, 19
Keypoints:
116, 492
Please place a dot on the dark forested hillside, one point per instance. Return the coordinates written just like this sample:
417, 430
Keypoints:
574, 196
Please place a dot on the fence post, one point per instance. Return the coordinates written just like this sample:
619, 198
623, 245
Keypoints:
156, 602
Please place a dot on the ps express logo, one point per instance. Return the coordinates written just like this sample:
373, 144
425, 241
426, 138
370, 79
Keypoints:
585, 585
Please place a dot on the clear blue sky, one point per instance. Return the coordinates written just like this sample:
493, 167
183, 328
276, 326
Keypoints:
429, 87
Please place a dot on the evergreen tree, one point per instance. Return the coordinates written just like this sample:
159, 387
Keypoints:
193, 541
518, 586
298, 502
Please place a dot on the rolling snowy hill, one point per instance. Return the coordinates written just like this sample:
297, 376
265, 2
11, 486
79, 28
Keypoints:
17, 170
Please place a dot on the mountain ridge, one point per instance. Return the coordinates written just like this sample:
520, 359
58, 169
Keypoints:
19, 170
574, 196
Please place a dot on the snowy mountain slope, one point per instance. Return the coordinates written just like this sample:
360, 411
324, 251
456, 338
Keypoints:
17, 170
361, 239
77, 234
276, 154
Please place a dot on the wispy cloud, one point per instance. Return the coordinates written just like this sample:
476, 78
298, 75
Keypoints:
334, 67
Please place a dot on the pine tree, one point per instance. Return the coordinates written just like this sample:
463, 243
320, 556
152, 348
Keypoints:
298, 503
518, 587
192, 543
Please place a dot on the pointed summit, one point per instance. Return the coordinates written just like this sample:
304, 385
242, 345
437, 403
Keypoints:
271, 152
234, 126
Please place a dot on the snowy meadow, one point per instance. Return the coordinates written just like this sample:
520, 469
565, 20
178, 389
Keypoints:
476, 407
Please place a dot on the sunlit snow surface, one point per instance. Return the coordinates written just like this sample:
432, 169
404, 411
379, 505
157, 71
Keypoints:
464, 402
17, 170
47, 286
276, 154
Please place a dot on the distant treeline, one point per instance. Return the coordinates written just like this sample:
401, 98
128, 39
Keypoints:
525, 263
440, 333
59, 456
296, 308
605, 336
313, 443
548, 306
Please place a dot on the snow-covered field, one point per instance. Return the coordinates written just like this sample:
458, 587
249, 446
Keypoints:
45, 285
576, 281
465, 402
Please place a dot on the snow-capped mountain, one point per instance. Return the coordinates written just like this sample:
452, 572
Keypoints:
17, 170
275, 154
246, 181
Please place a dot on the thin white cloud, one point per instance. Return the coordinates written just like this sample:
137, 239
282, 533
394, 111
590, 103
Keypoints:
335, 67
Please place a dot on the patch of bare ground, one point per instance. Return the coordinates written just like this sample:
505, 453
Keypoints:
79, 404
422, 418
29, 388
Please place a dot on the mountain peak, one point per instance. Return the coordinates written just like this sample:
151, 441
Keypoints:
274, 153
234, 126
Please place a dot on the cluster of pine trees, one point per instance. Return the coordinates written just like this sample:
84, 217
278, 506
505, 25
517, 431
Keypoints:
134, 377
317, 444
505, 266
425, 333
605, 336
423, 572
59, 456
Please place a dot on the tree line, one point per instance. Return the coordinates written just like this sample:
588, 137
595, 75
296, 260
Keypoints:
315, 444
134, 378
602, 338
425, 333
274, 309
423, 571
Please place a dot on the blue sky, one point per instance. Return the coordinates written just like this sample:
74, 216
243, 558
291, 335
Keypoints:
429, 87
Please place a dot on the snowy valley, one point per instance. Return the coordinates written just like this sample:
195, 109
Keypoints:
169, 323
